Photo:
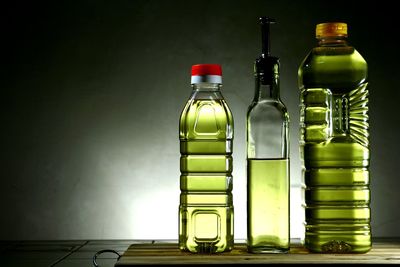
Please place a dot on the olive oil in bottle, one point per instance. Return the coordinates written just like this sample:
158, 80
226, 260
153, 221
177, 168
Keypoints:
267, 158
269, 204
206, 135
335, 144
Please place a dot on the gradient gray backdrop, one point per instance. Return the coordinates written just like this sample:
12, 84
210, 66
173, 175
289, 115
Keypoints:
92, 92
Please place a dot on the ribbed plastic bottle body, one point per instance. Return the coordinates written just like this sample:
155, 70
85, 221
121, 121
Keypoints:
268, 182
206, 205
335, 148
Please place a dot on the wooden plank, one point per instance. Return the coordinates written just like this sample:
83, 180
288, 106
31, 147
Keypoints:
168, 253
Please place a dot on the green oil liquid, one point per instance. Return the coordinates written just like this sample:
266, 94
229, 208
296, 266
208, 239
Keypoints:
335, 150
206, 206
268, 205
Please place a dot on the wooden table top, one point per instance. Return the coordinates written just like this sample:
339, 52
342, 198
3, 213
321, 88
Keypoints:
167, 252
79, 253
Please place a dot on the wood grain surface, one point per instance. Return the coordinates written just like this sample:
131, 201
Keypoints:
163, 252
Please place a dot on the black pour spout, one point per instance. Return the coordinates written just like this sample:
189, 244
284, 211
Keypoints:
266, 67
265, 23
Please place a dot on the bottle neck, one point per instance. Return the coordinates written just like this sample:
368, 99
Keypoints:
332, 41
207, 87
266, 90
206, 91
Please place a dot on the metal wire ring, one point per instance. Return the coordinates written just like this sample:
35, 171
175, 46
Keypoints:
101, 252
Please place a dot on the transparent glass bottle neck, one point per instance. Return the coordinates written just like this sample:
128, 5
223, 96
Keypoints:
332, 41
266, 90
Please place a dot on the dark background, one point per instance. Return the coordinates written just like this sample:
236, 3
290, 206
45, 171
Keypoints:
92, 92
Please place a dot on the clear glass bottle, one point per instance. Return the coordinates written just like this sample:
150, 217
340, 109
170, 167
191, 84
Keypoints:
206, 138
267, 157
335, 144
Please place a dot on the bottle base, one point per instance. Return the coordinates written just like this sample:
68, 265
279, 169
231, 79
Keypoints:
205, 248
337, 246
267, 250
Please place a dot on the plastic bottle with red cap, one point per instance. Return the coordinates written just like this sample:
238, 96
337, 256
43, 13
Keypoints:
206, 138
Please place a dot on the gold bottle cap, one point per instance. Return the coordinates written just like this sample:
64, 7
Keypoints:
331, 29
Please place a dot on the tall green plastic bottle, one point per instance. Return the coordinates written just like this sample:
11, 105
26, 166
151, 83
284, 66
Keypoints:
206, 138
334, 143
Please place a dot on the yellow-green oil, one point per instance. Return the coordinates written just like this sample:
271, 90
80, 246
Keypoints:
335, 150
268, 205
206, 206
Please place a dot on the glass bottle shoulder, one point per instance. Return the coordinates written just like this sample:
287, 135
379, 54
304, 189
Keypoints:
268, 108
